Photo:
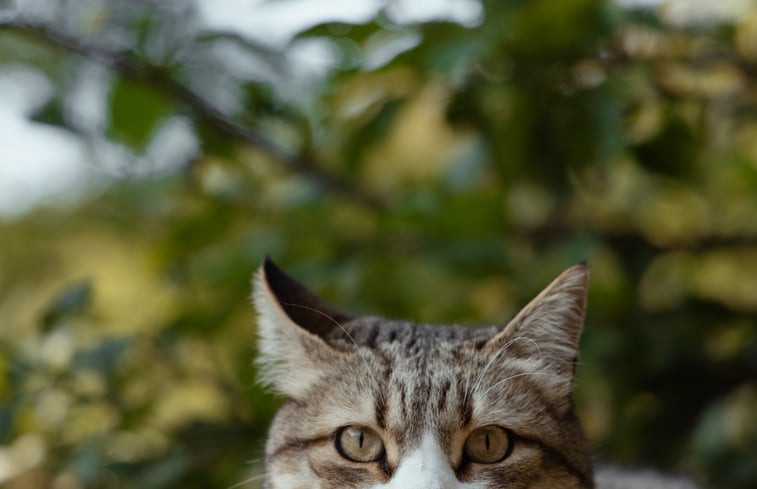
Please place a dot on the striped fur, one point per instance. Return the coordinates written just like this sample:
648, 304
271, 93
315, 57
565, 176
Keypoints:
423, 389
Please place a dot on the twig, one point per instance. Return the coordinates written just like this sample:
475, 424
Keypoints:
131, 66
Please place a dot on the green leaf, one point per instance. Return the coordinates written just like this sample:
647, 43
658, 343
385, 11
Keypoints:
72, 300
136, 110
103, 356
51, 113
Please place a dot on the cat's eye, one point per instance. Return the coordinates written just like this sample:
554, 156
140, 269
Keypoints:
488, 445
359, 444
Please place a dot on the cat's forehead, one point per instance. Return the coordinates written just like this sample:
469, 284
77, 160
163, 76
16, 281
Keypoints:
380, 333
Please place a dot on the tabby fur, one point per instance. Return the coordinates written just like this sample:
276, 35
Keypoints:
423, 390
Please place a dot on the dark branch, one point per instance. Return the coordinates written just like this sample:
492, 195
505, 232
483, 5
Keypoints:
131, 66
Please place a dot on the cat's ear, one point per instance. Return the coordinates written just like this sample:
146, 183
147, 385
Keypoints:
546, 332
292, 326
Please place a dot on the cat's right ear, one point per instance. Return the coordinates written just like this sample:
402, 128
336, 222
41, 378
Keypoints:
292, 326
545, 334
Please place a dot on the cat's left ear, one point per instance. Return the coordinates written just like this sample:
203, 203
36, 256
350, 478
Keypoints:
293, 324
546, 332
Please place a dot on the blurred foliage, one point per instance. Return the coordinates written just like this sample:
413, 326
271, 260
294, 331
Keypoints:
433, 169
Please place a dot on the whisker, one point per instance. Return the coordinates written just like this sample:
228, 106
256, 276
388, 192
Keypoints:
524, 374
357, 347
498, 353
254, 478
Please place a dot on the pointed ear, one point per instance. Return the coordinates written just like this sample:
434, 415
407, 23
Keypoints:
293, 324
547, 330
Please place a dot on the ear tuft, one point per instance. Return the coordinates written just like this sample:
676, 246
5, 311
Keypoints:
551, 324
302, 306
558, 310
292, 326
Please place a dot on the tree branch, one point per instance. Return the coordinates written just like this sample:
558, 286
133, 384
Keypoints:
131, 66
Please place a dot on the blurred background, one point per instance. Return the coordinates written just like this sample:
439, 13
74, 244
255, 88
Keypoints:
434, 160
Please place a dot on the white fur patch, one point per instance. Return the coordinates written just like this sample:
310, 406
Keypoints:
294, 481
426, 468
283, 359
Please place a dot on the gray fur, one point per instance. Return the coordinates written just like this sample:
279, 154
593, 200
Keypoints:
406, 381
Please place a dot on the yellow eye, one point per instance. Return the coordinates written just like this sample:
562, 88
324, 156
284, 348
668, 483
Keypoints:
488, 445
359, 444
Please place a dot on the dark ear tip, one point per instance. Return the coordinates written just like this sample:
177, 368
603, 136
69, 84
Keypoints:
269, 267
584, 263
272, 274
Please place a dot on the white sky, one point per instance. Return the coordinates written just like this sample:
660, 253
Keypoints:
36, 161
276, 22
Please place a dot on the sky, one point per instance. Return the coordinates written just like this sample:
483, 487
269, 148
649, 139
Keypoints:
43, 164
36, 160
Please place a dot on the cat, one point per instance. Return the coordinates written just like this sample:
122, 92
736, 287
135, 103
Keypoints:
384, 404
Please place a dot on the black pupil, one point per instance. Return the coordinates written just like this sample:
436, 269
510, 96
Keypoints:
487, 442
362, 437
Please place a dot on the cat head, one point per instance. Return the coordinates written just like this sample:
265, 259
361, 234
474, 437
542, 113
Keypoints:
375, 403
